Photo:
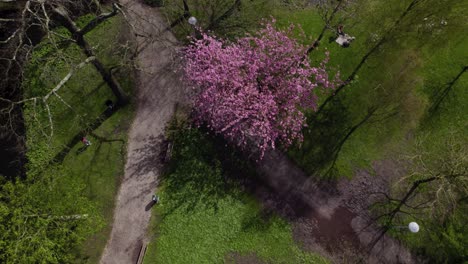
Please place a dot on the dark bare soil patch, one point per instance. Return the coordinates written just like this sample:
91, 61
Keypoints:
329, 218
336, 230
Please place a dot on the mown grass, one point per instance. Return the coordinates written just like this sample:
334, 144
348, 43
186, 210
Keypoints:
317, 152
401, 79
205, 217
413, 75
400, 82
99, 166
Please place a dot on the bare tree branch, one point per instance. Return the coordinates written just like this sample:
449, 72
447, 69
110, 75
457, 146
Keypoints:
99, 19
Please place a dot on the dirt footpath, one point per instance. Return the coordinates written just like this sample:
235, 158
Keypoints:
158, 91
324, 217
330, 218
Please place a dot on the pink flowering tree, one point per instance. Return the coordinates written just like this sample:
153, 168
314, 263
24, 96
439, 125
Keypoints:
254, 89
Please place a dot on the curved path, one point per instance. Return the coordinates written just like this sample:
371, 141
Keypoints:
158, 92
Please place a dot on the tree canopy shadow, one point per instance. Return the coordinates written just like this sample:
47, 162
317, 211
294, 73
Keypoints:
194, 176
321, 136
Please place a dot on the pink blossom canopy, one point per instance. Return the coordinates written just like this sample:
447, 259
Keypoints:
253, 90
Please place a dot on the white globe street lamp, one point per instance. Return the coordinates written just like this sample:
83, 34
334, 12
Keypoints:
192, 21
413, 227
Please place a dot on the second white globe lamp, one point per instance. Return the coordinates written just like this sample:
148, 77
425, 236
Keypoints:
192, 21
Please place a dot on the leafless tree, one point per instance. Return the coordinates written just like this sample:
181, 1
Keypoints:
27, 26
435, 183
78, 37
29, 22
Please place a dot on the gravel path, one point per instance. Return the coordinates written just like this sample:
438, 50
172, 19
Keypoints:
158, 92
314, 212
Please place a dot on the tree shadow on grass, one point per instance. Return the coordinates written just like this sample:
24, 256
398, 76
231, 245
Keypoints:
81, 150
196, 175
321, 137
441, 94
99, 158
329, 131
106, 114
257, 222
193, 184
96, 149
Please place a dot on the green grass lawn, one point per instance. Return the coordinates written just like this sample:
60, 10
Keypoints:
204, 217
315, 153
402, 78
408, 75
100, 166
309, 20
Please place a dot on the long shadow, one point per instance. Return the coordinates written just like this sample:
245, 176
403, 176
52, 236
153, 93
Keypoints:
375, 48
286, 195
149, 205
440, 96
321, 137
241, 172
106, 114
328, 132
285, 190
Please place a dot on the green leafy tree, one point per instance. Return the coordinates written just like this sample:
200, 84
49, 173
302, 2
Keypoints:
44, 219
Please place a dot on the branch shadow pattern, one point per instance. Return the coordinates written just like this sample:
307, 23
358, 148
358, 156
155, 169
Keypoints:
440, 96
151, 156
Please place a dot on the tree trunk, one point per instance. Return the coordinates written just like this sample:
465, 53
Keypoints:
105, 73
78, 36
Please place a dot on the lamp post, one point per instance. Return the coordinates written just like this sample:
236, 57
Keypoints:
193, 22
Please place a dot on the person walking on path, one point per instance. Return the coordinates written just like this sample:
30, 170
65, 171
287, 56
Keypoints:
155, 93
155, 199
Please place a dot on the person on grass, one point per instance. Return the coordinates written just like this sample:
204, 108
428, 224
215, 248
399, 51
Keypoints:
343, 39
86, 142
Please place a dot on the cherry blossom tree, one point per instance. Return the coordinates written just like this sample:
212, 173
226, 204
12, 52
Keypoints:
256, 88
